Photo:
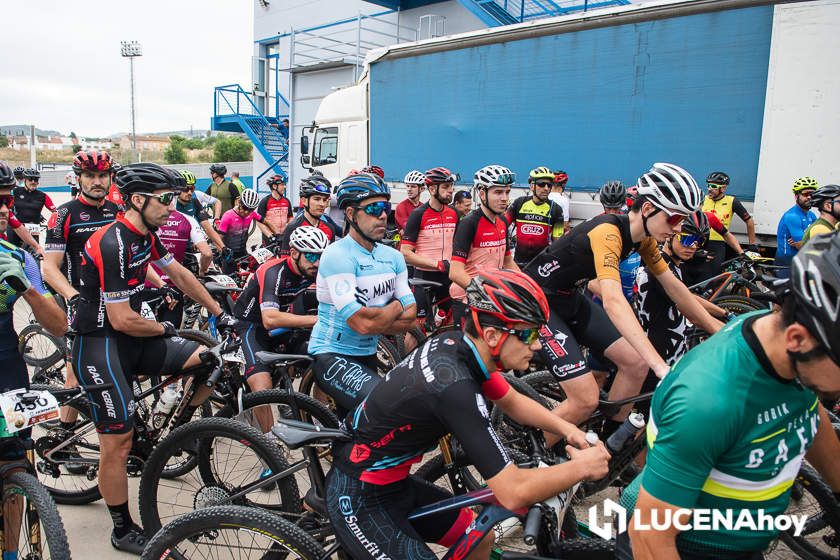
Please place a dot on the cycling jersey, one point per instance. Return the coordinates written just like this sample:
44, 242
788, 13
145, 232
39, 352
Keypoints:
178, 235
234, 230
659, 316
762, 427
792, 226
329, 228
724, 208
8, 297
275, 212
29, 204
431, 232
562, 199
274, 285
226, 192
351, 277
535, 224
115, 196
403, 211
113, 270
480, 244
820, 226
69, 229
195, 207
627, 270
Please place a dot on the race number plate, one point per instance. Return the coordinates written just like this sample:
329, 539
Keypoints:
223, 280
262, 254
23, 409
237, 356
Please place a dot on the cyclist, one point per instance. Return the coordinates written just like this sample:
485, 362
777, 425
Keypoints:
234, 228
114, 343
192, 203
667, 194
314, 194
427, 244
441, 388
765, 370
481, 240
363, 292
462, 203
18, 173
414, 182
72, 184
724, 206
558, 196
794, 222
825, 199
114, 192
221, 189
29, 202
613, 197
275, 208
536, 220
270, 301
7, 183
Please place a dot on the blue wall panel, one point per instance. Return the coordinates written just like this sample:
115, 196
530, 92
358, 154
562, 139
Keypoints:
601, 104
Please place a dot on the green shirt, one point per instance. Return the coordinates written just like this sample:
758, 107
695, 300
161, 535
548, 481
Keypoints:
225, 192
818, 227
238, 184
726, 432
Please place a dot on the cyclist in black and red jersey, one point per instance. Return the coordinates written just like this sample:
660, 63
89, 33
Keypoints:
314, 194
275, 209
15, 225
427, 243
114, 342
30, 202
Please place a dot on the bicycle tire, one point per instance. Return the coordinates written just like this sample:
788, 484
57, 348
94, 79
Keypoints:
197, 435
57, 355
190, 528
808, 544
52, 528
311, 409
499, 421
739, 304
585, 549
198, 336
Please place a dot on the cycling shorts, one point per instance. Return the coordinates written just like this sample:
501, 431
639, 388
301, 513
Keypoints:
370, 520
116, 359
15, 376
427, 297
256, 339
346, 379
574, 319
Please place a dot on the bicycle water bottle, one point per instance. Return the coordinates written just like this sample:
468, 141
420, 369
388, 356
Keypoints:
625, 433
165, 404
440, 317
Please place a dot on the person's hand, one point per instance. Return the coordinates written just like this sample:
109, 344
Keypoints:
169, 329
443, 266
227, 254
661, 370
12, 273
40, 250
593, 461
577, 438
170, 296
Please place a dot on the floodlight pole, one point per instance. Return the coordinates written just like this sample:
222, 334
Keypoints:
131, 50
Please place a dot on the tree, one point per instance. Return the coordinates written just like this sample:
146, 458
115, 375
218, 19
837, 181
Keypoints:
4, 141
194, 143
174, 152
232, 148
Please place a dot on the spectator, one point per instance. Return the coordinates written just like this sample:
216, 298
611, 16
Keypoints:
234, 179
558, 196
284, 128
794, 222
462, 203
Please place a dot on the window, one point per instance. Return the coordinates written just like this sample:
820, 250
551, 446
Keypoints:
325, 150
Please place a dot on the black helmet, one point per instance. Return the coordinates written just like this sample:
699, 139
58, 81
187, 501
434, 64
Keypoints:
31, 173
7, 176
815, 283
824, 194
147, 177
717, 178
613, 194
314, 184
19, 172
696, 224
355, 189
218, 169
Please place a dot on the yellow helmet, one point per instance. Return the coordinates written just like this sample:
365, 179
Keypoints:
805, 183
541, 173
188, 177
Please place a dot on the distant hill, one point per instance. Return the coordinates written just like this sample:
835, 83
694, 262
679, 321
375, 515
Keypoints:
196, 132
23, 130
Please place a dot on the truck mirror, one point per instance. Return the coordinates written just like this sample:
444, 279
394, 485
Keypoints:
304, 145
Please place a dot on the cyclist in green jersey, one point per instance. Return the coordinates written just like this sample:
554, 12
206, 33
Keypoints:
222, 189
731, 424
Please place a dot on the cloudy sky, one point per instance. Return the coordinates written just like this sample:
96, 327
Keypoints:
62, 69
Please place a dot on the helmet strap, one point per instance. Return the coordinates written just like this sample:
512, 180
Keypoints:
140, 210
495, 352
485, 204
646, 218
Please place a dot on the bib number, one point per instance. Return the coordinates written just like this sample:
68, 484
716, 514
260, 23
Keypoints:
223, 280
23, 409
262, 254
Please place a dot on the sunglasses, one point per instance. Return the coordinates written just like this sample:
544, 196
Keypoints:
375, 209
312, 257
716, 186
164, 198
689, 240
34, 180
544, 184
526, 336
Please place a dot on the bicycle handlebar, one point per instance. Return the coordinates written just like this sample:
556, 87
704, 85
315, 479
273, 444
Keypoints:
532, 525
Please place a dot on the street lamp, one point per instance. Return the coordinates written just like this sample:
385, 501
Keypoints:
131, 50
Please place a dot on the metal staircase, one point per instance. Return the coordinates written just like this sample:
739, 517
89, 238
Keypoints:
234, 110
506, 12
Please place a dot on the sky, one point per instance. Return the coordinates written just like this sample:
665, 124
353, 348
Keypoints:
61, 67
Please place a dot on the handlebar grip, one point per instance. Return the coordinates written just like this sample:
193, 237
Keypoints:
213, 378
278, 331
532, 525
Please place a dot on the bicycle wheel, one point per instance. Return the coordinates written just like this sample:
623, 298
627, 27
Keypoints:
387, 356
739, 304
510, 432
231, 532
231, 458
819, 538
41, 534
39, 348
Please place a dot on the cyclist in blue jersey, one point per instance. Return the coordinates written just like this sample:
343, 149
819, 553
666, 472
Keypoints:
363, 292
794, 222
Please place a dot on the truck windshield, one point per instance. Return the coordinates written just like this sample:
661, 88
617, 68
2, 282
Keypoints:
325, 149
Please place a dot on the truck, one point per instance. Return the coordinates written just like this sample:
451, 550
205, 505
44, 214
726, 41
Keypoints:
741, 86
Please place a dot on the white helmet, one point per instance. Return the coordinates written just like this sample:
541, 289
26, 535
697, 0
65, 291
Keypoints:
493, 176
670, 188
415, 177
309, 239
250, 198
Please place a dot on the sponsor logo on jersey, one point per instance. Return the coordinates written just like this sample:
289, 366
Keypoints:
532, 229
84, 216
545, 269
360, 452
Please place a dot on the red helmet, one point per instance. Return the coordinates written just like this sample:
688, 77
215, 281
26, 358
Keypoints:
560, 177
439, 175
511, 297
275, 180
375, 170
92, 160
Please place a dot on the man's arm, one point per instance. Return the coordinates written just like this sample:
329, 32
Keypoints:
375, 320
265, 229
458, 274
732, 241
687, 303
406, 321
824, 452
509, 264
47, 312
649, 544
212, 234
750, 230
190, 285
715, 311
414, 259
125, 320
27, 238
54, 277
529, 412
275, 319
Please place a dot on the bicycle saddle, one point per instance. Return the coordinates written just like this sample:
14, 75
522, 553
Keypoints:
275, 359
295, 433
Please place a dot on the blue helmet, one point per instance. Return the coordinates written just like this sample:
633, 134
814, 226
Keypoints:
357, 188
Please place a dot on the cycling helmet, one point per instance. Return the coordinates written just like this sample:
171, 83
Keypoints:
115, 166
414, 177
697, 224
314, 184
18, 172
613, 194
249, 198
824, 194
70, 178
491, 176
275, 180
92, 160
179, 183
189, 177
511, 297
540, 173
804, 184
146, 177
218, 169
31, 173
375, 170
7, 176
815, 283
717, 178
670, 188
560, 177
439, 175
355, 189
309, 239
